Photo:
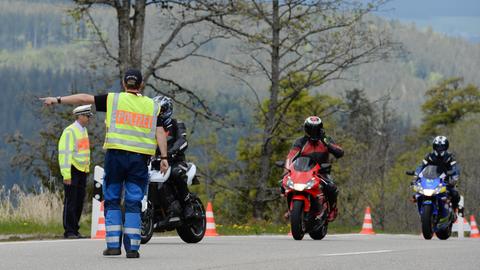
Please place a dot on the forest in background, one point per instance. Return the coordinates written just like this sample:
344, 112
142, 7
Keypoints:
43, 51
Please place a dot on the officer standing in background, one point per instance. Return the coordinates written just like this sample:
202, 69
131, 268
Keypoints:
132, 135
74, 161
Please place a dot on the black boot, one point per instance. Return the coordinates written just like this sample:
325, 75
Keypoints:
174, 210
133, 254
331, 193
112, 252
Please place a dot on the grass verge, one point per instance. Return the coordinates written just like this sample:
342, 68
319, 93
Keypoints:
25, 230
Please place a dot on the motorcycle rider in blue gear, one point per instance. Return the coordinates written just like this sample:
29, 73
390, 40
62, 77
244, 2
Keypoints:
446, 162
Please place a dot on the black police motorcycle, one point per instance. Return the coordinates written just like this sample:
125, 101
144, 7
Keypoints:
155, 216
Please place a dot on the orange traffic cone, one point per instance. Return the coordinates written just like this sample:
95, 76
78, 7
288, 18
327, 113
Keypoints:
367, 227
211, 231
474, 233
101, 224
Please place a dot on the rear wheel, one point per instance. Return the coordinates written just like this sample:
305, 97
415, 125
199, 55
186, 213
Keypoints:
445, 234
297, 220
320, 233
193, 230
427, 221
146, 231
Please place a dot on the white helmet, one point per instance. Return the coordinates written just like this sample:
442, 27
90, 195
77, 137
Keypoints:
440, 145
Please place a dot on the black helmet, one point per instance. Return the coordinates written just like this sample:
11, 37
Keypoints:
313, 126
440, 145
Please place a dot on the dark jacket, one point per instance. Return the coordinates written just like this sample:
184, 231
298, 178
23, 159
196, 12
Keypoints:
176, 141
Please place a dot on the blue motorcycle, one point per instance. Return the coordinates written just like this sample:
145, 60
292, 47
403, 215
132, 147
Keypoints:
433, 202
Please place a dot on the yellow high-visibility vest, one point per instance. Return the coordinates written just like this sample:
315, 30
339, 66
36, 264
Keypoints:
73, 150
131, 122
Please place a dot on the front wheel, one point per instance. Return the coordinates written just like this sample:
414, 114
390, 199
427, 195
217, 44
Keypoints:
297, 220
193, 230
146, 231
426, 218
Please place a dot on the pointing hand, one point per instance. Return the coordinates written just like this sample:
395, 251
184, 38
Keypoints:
47, 101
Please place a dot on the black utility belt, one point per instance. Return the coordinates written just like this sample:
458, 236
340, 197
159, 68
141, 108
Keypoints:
124, 152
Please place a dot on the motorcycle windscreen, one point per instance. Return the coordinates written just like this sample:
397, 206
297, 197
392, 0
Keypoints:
303, 164
430, 183
431, 172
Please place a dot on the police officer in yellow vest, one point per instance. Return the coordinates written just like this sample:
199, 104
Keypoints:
133, 133
74, 161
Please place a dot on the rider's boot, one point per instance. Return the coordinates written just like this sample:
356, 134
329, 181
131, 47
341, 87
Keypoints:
184, 195
332, 202
332, 215
331, 193
174, 210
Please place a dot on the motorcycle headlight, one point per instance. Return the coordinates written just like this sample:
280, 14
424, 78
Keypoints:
310, 184
289, 183
418, 188
428, 192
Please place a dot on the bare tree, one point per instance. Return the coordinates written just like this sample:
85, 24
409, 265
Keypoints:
179, 40
319, 39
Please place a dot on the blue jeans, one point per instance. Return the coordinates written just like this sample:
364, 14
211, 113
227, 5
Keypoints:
124, 171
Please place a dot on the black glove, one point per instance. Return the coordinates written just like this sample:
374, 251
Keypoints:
414, 181
172, 154
327, 140
322, 134
451, 182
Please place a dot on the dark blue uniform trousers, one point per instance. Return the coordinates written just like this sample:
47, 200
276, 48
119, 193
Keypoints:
73, 202
126, 171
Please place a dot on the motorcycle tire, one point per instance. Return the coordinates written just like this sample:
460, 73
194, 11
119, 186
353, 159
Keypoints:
146, 230
444, 234
320, 233
193, 230
426, 219
297, 220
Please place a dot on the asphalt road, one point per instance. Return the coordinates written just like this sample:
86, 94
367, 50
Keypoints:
335, 252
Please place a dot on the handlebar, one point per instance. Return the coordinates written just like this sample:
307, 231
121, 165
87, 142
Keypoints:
280, 163
412, 173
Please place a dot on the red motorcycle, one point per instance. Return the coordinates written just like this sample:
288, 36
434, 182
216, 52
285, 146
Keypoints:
308, 207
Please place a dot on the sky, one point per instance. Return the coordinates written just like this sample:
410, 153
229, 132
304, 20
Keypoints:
452, 17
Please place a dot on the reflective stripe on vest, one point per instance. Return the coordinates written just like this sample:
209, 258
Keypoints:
131, 129
66, 164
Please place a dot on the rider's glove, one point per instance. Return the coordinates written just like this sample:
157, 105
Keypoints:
327, 140
414, 181
452, 181
172, 154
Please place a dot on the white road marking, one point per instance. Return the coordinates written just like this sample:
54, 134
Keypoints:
357, 253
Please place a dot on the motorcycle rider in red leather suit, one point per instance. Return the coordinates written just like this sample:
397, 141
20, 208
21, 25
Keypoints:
316, 145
